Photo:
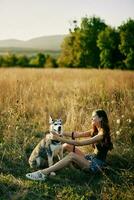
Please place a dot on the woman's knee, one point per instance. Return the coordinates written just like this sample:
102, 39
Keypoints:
72, 156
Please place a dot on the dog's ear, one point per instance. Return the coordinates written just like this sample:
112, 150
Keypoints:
50, 120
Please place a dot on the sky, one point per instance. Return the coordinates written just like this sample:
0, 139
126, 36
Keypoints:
26, 19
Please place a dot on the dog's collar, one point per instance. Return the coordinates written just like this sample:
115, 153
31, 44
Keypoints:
55, 142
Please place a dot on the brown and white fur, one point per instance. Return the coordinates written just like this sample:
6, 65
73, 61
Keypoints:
45, 151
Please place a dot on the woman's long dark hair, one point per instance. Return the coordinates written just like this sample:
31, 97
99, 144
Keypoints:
105, 127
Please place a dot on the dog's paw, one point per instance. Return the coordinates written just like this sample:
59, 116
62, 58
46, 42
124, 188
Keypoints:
52, 173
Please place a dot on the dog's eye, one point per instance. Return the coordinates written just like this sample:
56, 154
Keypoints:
55, 124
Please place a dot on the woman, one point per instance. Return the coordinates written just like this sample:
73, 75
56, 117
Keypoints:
99, 137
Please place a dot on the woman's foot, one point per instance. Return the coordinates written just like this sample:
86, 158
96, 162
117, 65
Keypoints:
38, 176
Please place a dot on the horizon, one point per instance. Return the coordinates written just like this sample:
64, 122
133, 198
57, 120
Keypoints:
28, 19
25, 40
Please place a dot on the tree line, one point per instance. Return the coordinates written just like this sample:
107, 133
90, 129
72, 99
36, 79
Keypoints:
39, 60
92, 44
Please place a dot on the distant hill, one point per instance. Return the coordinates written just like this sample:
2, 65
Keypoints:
52, 43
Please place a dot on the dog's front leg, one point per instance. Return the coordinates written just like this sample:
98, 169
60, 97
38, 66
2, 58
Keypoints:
50, 163
60, 155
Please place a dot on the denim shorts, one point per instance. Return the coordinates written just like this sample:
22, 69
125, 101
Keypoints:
96, 164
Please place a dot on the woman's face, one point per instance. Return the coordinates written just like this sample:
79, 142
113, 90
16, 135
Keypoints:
95, 119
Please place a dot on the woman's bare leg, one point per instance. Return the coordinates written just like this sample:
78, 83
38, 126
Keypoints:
69, 148
71, 157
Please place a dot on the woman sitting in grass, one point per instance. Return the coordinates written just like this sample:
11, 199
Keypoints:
100, 139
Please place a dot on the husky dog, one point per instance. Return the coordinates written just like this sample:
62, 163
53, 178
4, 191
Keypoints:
45, 151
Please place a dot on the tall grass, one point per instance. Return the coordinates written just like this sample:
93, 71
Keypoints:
29, 96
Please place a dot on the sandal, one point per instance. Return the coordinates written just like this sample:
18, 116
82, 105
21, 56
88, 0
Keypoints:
38, 176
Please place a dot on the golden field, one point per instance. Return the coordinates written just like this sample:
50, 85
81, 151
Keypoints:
29, 96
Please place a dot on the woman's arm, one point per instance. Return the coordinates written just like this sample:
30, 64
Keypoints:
78, 134
92, 140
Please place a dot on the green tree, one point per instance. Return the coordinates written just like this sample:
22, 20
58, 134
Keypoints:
1, 61
50, 62
71, 55
38, 60
108, 42
79, 48
90, 28
127, 43
129, 61
23, 61
10, 60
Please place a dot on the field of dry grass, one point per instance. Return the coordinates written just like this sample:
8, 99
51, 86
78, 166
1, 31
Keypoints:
29, 96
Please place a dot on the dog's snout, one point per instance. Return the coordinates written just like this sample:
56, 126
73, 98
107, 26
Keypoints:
59, 128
